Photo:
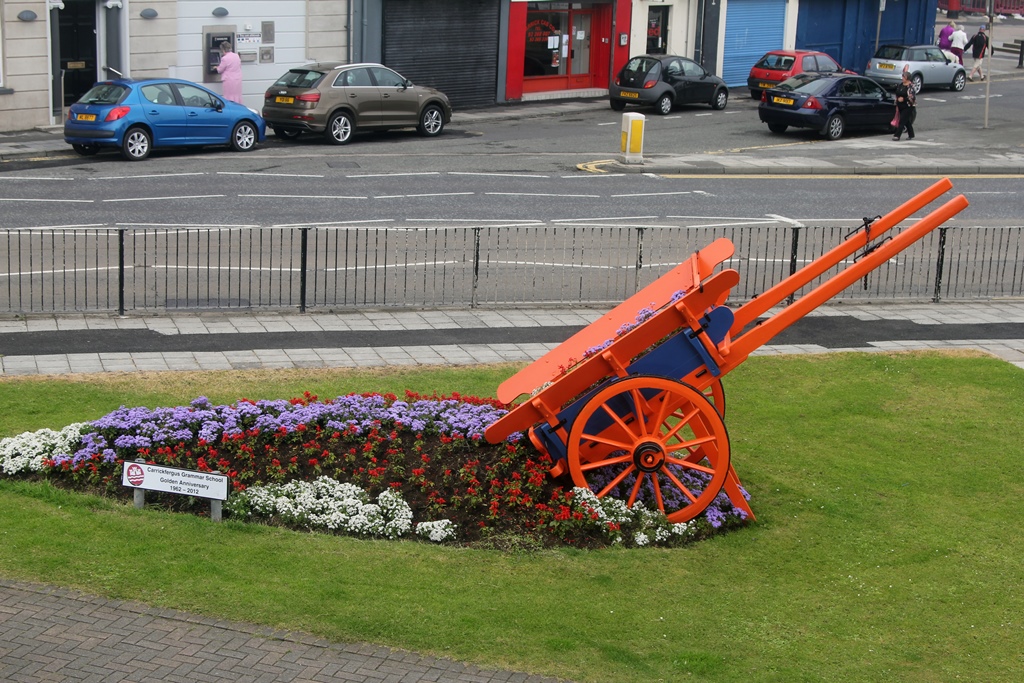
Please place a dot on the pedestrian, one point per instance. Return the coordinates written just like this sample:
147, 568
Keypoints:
957, 42
230, 70
944, 35
979, 48
906, 100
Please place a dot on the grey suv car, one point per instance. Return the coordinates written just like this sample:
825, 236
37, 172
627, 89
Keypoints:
927, 64
337, 99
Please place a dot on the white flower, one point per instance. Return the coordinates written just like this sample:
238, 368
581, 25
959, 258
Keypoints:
26, 452
438, 531
330, 505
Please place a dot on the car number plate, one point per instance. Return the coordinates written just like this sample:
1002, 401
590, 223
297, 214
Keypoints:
86, 117
284, 100
882, 65
631, 95
766, 85
782, 100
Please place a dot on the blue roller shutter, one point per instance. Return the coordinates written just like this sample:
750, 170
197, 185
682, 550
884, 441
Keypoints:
752, 27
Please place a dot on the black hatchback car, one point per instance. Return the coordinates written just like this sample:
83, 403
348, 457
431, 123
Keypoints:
829, 103
664, 81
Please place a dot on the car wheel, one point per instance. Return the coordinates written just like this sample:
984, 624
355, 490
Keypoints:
664, 105
777, 127
617, 105
755, 94
85, 150
243, 137
339, 128
286, 134
917, 82
720, 99
959, 81
431, 121
137, 144
834, 127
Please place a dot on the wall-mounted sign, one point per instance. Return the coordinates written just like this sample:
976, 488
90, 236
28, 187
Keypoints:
248, 38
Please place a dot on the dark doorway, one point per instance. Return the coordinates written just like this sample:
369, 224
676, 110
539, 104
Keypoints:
657, 30
77, 48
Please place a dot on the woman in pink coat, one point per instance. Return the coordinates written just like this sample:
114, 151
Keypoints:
230, 70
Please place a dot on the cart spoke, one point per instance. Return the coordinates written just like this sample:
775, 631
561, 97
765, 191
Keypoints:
586, 467
639, 404
691, 445
636, 488
615, 482
690, 465
657, 492
618, 420
684, 420
618, 445
680, 485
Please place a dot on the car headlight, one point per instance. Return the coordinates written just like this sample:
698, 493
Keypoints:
253, 111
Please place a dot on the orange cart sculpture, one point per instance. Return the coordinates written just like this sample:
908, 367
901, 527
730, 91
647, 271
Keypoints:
632, 406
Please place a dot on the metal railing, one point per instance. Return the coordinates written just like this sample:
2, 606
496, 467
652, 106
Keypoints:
159, 269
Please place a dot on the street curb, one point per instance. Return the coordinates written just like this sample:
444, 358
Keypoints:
620, 167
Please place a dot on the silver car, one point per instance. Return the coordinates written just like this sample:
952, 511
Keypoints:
928, 66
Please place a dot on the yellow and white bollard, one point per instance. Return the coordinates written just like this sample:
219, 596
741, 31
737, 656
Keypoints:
633, 138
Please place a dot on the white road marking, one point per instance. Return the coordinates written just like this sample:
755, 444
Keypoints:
136, 177
32, 273
270, 175
543, 194
650, 194
156, 199
67, 201
391, 175
596, 175
299, 196
435, 194
212, 226
607, 218
31, 178
508, 175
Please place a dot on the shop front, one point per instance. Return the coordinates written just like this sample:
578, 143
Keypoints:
558, 46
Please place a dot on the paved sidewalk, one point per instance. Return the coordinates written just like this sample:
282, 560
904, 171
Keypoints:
52, 634
233, 341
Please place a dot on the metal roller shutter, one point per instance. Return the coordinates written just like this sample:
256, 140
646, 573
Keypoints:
752, 27
451, 45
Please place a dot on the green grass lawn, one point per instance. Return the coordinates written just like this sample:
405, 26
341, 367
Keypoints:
888, 543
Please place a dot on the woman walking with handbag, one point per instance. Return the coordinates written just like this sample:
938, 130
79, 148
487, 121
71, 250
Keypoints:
905, 109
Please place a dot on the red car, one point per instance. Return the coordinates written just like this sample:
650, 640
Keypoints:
778, 65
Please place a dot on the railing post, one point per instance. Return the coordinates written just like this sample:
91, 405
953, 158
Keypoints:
639, 259
139, 495
793, 249
120, 271
476, 267
302, 268
940, 263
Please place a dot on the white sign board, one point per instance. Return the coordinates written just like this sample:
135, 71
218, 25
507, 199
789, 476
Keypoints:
248, 38
140, 475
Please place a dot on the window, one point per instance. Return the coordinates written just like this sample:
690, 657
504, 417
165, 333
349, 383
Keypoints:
386, 78
158, 93
827, 64
871, 89
850, 88
299, 78
197, 97
808, 63
1, 53
353, 77
692, 69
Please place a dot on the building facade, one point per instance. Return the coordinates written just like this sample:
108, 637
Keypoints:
479, 52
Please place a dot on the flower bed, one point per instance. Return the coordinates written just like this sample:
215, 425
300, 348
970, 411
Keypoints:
317, 465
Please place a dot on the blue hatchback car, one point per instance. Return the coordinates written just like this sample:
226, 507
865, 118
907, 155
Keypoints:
134, 116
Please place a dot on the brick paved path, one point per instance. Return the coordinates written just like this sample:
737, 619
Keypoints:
50, 634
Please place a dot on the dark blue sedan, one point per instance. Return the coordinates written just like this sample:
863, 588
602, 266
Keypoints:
829, 103
134, 116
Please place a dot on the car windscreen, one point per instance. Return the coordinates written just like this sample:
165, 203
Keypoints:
638, 67
890, 52
775, 62
104, 93
300, 78
800, 81
815, 86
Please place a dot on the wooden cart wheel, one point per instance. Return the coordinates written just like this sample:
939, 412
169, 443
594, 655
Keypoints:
716, 394
653, 440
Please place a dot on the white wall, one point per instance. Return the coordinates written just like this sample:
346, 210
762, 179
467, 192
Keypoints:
26, 68
681, 30
290, 39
